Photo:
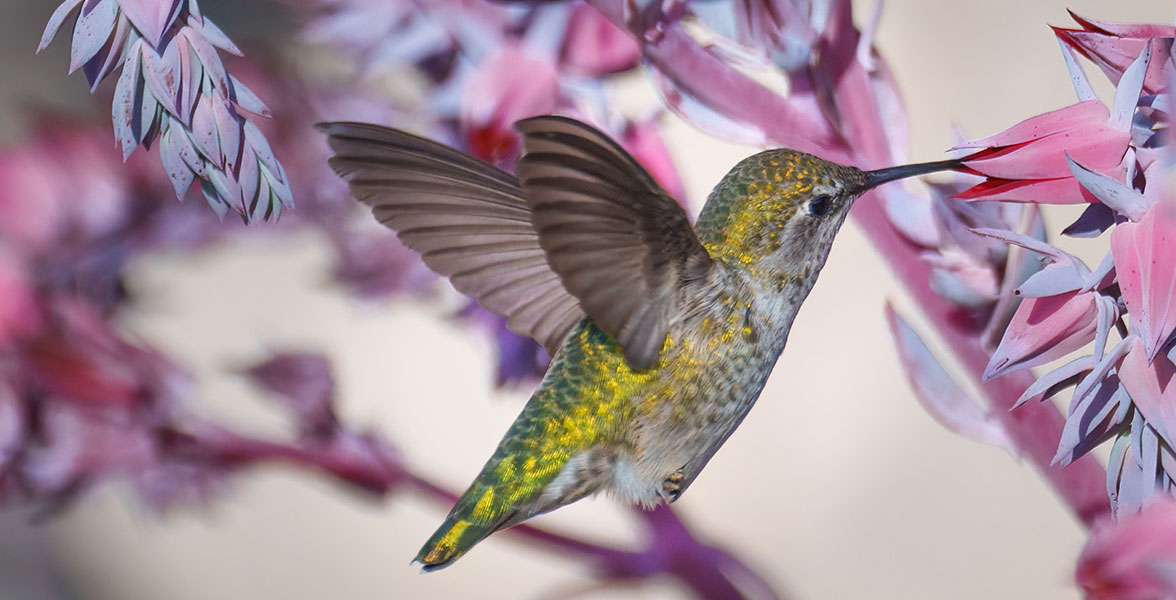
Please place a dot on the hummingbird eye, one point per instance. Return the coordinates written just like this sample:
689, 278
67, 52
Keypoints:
817, 207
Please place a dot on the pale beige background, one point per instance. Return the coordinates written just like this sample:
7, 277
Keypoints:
852, 492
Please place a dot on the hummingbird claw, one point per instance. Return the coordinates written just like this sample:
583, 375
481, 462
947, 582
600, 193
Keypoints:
672, 486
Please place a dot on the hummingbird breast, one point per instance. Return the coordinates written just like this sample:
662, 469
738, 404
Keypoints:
656, 429
715, 368
595, 424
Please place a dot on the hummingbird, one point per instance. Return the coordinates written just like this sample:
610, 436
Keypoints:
662, 334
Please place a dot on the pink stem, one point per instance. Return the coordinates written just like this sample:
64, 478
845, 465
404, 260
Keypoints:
673, 550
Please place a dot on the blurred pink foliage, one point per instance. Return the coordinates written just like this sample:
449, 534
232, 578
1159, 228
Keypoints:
1134, 558
82, 403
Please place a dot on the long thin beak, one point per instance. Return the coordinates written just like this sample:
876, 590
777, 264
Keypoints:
876, 178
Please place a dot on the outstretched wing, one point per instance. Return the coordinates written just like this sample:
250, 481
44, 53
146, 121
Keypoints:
620, 243
466, 218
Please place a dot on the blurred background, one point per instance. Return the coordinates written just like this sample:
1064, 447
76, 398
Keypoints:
852, 492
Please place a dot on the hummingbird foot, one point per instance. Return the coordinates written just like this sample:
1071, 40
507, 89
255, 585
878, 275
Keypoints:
672, 486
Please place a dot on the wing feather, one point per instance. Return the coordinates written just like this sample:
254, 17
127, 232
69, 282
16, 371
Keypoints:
619, 243
466, 218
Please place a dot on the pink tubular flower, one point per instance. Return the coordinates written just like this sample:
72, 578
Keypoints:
1027, 162
1134, 559
1145, 260
594, 47
1112, 47
1044, 329
509, 86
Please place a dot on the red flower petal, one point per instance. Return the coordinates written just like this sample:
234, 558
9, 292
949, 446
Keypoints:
1065, 190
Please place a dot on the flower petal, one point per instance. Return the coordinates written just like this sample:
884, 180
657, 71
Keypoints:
55, 20
1077, 76
1109, 191
1043, 330
1093, 221
1056, 380
1033, 128
1149, 381
151, 17
1096, 145
951, 406
1124, 559
1053, 280
1065, 190
94, 27
1127, 91
1146, 267
594, 46
1093, 419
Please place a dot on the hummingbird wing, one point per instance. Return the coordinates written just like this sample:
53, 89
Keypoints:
619, 242
466, 218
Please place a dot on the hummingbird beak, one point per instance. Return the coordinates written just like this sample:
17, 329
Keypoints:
876, 178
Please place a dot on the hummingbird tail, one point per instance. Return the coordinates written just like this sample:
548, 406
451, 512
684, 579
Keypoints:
452, 540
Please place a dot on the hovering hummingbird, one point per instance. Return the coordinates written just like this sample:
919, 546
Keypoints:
662, 335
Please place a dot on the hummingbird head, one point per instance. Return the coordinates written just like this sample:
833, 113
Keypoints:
775, 214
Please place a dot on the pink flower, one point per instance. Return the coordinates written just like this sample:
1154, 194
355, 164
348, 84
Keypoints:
641, 139
594, 47
31, 212
507, 87
963, 278
1148, 382
1134, 559
19, 313
1044, 329
1113, 47
1145, 260
83, 361
1027, 162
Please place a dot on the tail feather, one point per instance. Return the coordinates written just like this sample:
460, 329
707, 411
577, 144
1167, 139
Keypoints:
453, 539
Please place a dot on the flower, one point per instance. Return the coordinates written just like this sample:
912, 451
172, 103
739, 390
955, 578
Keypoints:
1043, 330
1145, 262
594, 47
1133, 559
1036, 159
1112, 47
508, 86
1027, 162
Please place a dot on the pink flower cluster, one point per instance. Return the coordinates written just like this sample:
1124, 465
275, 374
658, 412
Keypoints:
1117, 161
